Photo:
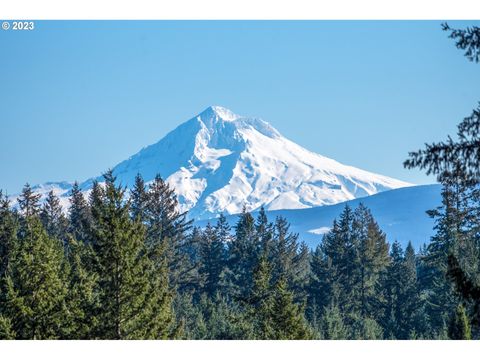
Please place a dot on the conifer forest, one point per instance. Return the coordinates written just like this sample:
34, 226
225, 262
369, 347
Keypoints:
121, 264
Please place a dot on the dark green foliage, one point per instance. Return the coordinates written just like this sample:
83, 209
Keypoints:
288, 318
139, 199
403, 303
468, 289
36, 285
166, 230
332, 324
82, 299
6, 332
459, 327
53, 219
271, 308
135, 299
79, 215
8, 233
372, 260
466, 39
243, 255
348, 269
213, 257
29, 202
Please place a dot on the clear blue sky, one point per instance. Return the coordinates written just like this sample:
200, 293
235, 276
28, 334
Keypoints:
78, 97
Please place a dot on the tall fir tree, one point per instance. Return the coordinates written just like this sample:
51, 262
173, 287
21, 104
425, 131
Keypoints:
36, 285
79, 215
8, 233
83, 293
459, 326
29, 202
166, 233
213, 259
139, 198
135, 296
53, 218
244, 250
371, 261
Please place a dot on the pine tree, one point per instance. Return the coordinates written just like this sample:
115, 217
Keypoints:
333, 265
8, 233
466, 286
36, 285
223, 320
288, 319
139, 198
371, 261
6, 332
451, 231
213, 259
264, 230
244, 251
52, 217
459, 327
301, 275
285, 251
166, 233
261, 302
392, 287
82, 298
135, 297
79, 215
333, 326
29, 202
365, 328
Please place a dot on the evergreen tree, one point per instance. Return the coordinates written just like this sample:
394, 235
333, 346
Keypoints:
135, 297
288, 319
403, 303
6, 332
333, 326
166, 233
224, 320
83, 293
8, 233
243, 255
213, 258
53, 219
466, 287
36, 285
285, 251
367, 329
451, 231
333, 264
371, 261
29, 202
264, 230
79, 215
261, 302
139, 198
459, 327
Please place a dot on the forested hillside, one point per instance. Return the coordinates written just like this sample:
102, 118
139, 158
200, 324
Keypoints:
118, 268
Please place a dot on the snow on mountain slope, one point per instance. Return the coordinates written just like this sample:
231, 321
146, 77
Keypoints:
219, 162
401, 214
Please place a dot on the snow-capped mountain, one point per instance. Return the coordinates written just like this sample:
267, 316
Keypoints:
219, 162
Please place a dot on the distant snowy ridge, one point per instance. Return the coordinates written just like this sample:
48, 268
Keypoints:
219, 161
400, 213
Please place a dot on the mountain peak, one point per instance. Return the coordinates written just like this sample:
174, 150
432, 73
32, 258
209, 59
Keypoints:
220, 162
219, 112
